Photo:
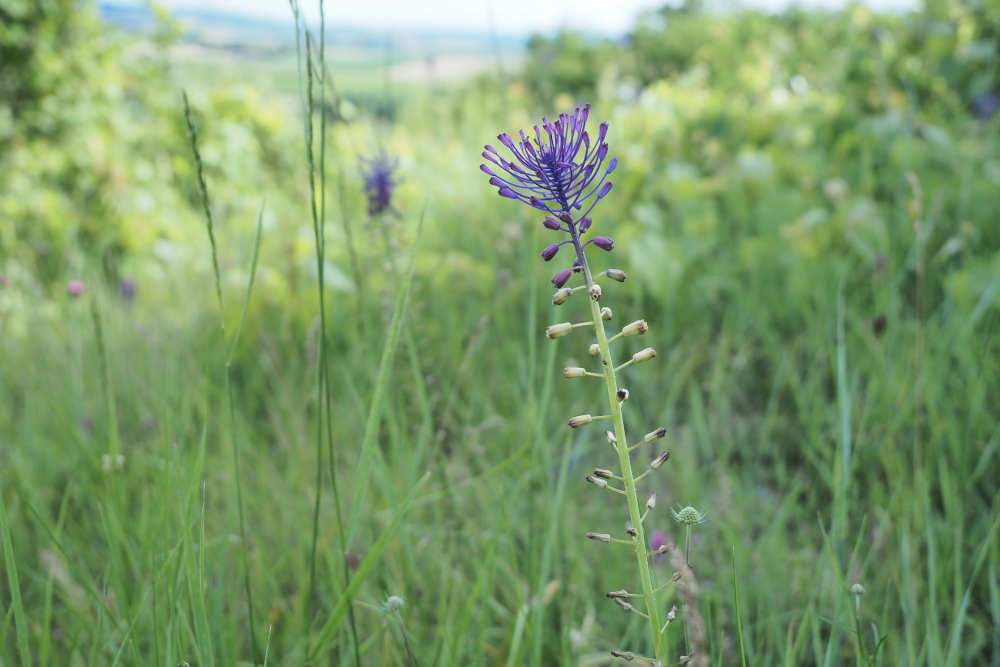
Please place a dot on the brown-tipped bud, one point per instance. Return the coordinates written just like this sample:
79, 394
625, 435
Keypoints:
616, 274
594, 349
605, 313
627, 656
597, 481
595, 292
623, 604
580, 420
611, 437
618, 594
622, 395
574, 372
644, 355
636, 328
599, 537
558, 330
632, 531
659, 460
653, 436
651, 503
561, 296
603, 473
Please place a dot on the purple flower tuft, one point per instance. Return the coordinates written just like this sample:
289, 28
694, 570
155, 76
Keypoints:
379, 175
75, 288
560, 278
560, 169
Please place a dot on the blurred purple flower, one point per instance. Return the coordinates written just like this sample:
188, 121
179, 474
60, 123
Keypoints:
985, 105
75, 288
657, 540
559, 171
379, 175
128, 289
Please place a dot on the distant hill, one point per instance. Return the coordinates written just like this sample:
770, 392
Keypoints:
244, 33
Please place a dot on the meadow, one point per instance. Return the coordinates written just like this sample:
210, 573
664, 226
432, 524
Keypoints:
244, 421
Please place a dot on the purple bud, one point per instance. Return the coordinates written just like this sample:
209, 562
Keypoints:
507, 192
486, 170
550, 252
564, 216
585, 223
604, 243
538, 203
560, 278
604, 191
612, 165
551, 223
495, 181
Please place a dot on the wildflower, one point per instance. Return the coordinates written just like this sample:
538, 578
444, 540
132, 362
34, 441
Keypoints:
559, 171
128, 289
656, 542
378, 172
688, 516
75, 288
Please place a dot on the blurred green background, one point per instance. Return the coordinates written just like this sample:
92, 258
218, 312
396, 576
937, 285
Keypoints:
807, 208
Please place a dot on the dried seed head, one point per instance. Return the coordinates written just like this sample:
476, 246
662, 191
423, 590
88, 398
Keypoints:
618, 594
603, 472
597, 481
651, 503
558, 330
659, 460
574, 372
394, 603
561, 296
653, 436
636, 328
857, 589
594, 349
611, 437
595, 292
623, 604
644, 355
599, 537
672, 614
616, 274
622, 395
627, 656
605, 313
580, 420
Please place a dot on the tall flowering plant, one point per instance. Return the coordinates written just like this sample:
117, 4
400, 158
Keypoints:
562, 171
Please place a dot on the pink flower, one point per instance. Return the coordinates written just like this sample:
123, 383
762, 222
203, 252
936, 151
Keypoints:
657, 540
75, 288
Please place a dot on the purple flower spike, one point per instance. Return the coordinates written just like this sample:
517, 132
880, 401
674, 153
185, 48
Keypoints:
558, 169
550, 252
379, 176
551, 223
603, 242
560, 278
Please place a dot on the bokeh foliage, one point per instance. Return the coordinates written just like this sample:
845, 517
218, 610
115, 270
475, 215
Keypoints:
807, 210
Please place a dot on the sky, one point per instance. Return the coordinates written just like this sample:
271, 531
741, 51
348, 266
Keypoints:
509, 16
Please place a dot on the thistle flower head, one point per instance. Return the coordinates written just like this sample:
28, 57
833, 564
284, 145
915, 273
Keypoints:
688, 516
379, 174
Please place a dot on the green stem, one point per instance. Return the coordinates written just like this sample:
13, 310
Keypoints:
634, 508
